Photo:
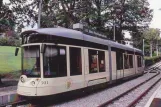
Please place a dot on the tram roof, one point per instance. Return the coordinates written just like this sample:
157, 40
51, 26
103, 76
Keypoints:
74, 34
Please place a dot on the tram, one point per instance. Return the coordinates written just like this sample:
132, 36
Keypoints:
58, 60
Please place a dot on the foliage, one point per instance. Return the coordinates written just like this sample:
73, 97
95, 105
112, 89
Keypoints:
9, 42
7, 19
152, 60
151, 34
129, 15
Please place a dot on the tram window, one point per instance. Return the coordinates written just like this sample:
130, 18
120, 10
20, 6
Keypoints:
55, 62
119, 61
131, 61
75, 61
139, 61
101, 59
93, 61
31, 61
126, 61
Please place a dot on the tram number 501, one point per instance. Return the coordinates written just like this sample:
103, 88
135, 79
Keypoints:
44, 82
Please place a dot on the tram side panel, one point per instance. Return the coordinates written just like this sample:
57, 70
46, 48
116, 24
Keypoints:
74, 78
131, 69
119, 64
93, 61
107, 66
136, 64
139, 65
114, 74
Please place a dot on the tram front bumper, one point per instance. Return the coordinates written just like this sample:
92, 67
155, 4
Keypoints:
26, 91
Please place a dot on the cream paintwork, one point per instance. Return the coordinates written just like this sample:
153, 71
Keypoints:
113, 54
27, 88
96, 77
57, 85
139, 70
50, 86
65, 83
119, 74
130, 71
77, 80
107, 66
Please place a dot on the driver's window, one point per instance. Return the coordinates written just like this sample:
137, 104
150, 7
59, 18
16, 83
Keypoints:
55, 61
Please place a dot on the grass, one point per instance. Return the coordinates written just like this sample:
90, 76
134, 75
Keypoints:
9, 63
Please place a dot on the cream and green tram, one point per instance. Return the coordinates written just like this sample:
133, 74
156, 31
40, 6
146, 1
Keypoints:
58, 60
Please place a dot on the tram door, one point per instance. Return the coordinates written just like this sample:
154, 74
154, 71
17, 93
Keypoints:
124, 64
120, 64
76, 71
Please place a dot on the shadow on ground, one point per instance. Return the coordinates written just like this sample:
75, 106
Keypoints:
8, 82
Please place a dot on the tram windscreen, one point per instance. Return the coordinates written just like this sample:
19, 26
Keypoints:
31, 61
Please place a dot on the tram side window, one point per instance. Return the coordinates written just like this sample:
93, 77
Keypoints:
96, 61
119, 61
101, 59
139, 61
131, 61
75, 61
93, 61
55, 62
126, 61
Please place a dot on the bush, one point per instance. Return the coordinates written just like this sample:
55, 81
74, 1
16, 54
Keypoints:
9, 42
3, 41
152, 60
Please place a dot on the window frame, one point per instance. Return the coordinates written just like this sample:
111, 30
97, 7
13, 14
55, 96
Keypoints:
55, 45
22, 58
98, 68
132, 58
126, 54
119, 57
139, 61
70, 46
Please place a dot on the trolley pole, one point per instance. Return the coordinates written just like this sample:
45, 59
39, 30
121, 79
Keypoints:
151, 46
143, 54
114, 29
143, 46
157, 47
39, 14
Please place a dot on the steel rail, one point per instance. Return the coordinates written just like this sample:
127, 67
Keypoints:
137, 100
125, 93
14, 104
153, 66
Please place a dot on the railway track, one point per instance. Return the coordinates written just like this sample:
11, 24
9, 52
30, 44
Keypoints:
128, 96
153, 68
15, 104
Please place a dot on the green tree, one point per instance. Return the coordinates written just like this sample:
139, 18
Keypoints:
97, 14
6, 18
7, 22
152, 36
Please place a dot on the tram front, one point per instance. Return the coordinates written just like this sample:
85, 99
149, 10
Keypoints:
31, 70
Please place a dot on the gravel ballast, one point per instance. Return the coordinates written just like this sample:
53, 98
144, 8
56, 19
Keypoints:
98, 98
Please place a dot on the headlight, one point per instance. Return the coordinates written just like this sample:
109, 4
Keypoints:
22, 79
33, 83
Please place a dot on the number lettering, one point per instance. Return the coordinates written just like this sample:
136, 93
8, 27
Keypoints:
44, 82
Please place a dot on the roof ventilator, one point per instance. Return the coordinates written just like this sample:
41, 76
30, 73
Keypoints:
87, 30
